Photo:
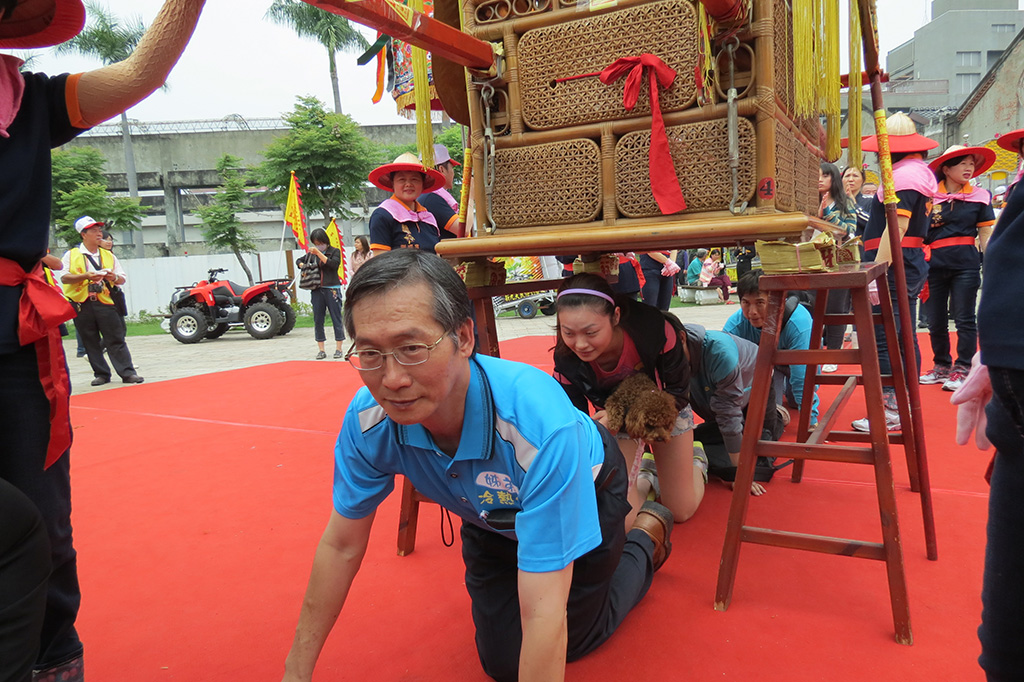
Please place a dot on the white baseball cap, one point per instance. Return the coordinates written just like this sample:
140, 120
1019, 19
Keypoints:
85, 222
442, 155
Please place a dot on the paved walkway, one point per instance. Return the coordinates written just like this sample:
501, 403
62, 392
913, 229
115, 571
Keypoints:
160, 357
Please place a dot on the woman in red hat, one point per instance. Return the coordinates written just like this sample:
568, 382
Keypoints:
39, 112
1013, 141
401, 222
961, 213
915, 186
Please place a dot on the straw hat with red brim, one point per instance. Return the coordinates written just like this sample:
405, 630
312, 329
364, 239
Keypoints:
1011, 140
903, 137
983, 158
381, 176
41, 23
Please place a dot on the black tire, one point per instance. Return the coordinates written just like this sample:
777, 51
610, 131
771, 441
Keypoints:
527, 310
548, 308
189, 325
263, 320
289, 318
217, 330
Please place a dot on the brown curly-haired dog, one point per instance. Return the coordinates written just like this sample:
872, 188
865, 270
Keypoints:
640, 409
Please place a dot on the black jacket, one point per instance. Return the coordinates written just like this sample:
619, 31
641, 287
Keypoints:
329, 270
645, 325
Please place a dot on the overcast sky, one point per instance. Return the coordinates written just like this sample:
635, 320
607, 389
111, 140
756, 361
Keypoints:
240, 63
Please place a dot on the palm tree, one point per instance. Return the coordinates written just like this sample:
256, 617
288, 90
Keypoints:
330, 30
112, 40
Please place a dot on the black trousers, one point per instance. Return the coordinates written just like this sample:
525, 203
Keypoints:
100, 326
22, 454
24, 569
607, 582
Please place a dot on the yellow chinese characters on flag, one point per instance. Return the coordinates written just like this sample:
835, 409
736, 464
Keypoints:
334, 235
293, 215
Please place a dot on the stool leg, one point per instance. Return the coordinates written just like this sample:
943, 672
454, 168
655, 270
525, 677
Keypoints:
408, 516
759, 395
810, 381
884, 485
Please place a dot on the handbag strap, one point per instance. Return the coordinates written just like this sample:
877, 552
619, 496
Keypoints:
96, 266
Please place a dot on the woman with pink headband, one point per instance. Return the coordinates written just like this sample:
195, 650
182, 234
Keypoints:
601, 340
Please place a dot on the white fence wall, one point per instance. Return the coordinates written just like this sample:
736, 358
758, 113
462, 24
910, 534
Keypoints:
151, 281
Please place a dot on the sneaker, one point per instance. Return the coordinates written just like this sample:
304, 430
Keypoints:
655, 520
892, 422
784, 416
649, 473
936, 375
339, 355
321, 355
955, 380
700, 459
829, 369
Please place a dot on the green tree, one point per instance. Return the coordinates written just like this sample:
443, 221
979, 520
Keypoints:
79, 188
452, 139
111, 40
334, 32
221, 225
330, 156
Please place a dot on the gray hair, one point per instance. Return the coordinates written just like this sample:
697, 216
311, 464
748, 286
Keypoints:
702, 253
401, 267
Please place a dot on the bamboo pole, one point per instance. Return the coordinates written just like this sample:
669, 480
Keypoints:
638, 236
747, 107
764, 81
906, 324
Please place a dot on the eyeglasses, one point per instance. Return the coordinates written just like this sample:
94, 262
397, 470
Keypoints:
407, 355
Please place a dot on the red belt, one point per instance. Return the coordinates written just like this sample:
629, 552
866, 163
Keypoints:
41, 309
953, 241
907, 243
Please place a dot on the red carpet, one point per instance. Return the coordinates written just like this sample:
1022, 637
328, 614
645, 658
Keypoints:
198, 504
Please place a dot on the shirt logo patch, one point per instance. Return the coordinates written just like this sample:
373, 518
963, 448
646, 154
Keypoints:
497, 481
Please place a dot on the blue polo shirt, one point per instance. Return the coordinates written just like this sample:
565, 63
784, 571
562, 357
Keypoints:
524, 446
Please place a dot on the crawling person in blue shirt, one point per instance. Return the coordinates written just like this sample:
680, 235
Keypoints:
746, 323
541, 487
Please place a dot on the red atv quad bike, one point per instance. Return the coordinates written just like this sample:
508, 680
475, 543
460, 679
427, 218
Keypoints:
207, 309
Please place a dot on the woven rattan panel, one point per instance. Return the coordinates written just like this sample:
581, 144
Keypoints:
582, 46
784, 169
806, 179
547, 184
700, 153
784, 80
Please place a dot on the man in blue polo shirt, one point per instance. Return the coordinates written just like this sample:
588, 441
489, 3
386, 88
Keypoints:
541, 488
746, 323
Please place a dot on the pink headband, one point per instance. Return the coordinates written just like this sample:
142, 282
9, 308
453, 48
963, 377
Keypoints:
587, 292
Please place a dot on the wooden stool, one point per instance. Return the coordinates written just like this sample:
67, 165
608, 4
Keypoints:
809, 445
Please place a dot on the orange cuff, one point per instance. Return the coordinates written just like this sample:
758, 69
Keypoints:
904, 212
379, 247
71, 101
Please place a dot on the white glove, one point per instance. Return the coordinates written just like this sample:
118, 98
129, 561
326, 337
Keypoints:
670, 269
972, 397
873, 293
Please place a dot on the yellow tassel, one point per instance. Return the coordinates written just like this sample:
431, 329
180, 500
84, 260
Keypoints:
831, 83
706, 47
421, 88
854, 120
804, 81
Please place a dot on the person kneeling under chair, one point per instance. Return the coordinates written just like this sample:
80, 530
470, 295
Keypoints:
541, 487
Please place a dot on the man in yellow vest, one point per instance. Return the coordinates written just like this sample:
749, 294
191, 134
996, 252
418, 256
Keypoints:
90, 273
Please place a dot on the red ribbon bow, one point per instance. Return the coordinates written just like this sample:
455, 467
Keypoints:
664, 183
40, 312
